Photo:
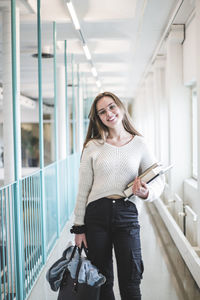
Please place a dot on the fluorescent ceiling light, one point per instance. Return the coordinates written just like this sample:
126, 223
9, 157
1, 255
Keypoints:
94, 71
87, 52
73, 15
98, 83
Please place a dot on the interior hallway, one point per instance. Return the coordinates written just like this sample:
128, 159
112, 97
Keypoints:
166, 276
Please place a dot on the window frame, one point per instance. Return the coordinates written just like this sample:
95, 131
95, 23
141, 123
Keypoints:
194, 133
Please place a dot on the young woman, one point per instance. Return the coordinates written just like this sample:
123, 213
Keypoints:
114, 154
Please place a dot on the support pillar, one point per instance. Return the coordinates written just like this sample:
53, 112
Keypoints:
138, 112
179, 111
81, 120
161, 110
16, 135
198, 112
149, 113
73, 106
61, 112
7, 97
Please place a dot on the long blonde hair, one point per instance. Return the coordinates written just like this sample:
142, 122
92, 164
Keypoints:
97, 130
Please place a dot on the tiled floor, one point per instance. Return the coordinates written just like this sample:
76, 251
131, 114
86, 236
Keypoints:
166, 276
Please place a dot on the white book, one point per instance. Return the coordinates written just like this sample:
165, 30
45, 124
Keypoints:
148, 177
151, 174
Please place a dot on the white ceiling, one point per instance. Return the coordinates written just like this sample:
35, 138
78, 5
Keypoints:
122, 36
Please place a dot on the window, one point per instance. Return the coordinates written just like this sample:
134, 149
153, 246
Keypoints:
194, 133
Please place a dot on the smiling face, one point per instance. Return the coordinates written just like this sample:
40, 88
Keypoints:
108, 111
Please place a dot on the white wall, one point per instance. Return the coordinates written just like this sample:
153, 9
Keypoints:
189, 53
190, 59
174, 103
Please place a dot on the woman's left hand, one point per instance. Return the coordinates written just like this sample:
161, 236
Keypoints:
140, 188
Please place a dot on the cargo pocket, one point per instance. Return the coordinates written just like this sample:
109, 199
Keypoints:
137, 266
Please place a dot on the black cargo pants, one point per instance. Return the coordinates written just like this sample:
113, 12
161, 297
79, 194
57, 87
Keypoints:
111, 223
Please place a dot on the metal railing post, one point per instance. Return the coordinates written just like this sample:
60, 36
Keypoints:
67, 129
43, 215
77, 123
66, 100
56, 130
18, 215
73, 106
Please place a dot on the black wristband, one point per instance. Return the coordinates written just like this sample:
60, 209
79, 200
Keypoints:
78, 229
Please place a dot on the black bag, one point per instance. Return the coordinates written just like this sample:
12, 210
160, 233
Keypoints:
56, 272
71, 289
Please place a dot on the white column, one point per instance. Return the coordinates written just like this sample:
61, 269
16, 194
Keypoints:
80, 119
7, 96
76, 112
149, 112
18, 108
198, 109
8, 138
135, 113
77, 99
52, 137
161, 110
140, 113
61, 112
179, 106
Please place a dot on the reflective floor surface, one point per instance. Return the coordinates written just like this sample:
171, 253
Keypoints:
166, 276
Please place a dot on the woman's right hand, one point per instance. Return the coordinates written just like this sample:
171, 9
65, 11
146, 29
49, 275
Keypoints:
140, 188
79, 238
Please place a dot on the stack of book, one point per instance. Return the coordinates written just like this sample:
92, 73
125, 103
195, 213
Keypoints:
147, 176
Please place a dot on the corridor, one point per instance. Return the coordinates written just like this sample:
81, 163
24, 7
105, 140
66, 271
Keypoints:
56, 57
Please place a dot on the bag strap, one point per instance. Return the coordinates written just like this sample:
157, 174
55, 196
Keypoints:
83, 248
79, 265
79, 250
73, 252
75, 288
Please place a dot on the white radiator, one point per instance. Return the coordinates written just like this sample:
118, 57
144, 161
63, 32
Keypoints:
166, 194
176, 208
179, 213
191, 225
189, 253
168, 199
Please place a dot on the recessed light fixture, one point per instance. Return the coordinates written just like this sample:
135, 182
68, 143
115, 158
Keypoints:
87, 52
98, 83
94, 71
46, 52
73, 15
43, 55
77, 26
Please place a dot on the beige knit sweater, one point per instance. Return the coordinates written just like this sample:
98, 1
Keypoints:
106, 170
